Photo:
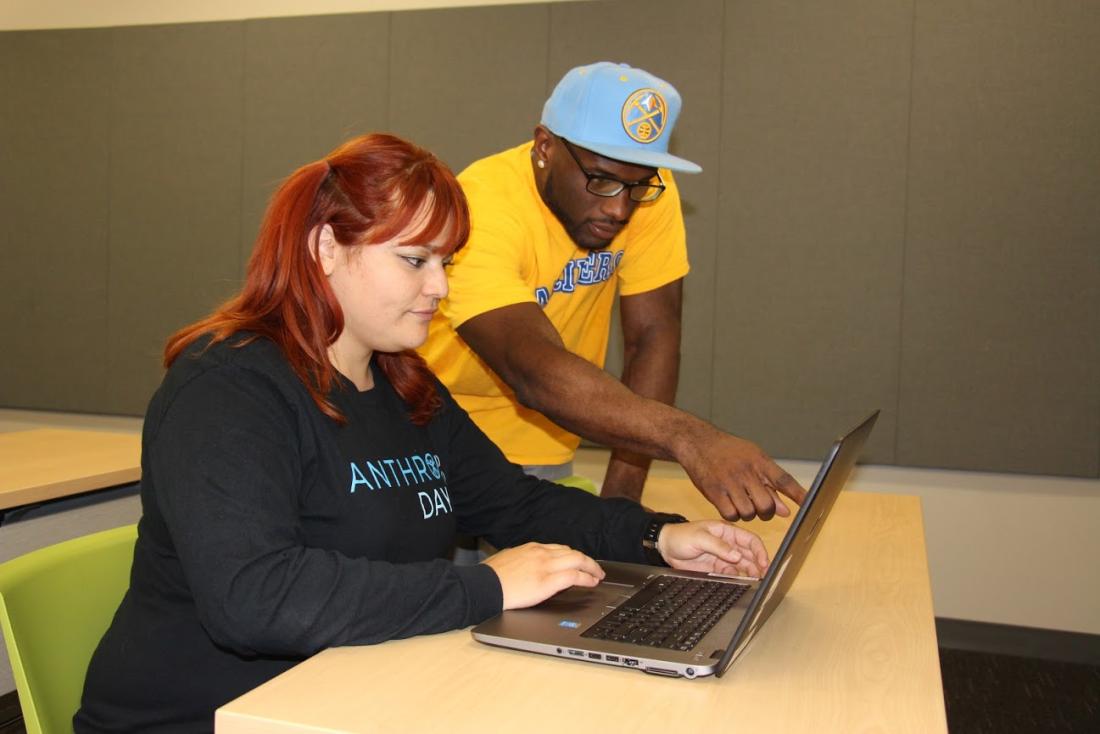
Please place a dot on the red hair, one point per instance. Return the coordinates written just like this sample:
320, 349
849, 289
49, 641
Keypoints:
369, 190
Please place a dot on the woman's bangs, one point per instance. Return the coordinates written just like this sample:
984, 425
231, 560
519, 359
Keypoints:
450, 208
440, 213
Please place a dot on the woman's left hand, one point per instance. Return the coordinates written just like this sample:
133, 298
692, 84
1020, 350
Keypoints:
713, 546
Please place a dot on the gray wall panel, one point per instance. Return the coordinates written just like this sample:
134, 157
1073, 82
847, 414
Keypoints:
175, 191
812, 201
54, 213
1002, 291
310, 84
467, 82
897, 208
681, 43
18, 371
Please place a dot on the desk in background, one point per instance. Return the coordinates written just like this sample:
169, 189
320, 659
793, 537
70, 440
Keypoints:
47, 464
852, 648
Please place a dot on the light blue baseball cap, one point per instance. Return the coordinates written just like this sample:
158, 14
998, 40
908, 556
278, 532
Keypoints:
619, 112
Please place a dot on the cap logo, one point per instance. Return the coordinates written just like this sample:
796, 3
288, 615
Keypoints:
644, 115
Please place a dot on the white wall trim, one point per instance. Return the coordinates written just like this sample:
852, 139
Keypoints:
43, 14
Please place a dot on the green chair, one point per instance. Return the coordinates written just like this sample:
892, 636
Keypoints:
579, 482
55, 605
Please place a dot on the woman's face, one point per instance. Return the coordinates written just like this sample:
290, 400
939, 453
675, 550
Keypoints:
387, 291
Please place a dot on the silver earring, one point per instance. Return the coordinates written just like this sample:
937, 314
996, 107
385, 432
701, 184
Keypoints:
540, 163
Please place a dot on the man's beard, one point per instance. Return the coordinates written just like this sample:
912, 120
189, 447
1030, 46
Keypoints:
572, 228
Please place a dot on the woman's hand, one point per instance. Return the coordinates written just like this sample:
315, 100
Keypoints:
713, 546
534, 572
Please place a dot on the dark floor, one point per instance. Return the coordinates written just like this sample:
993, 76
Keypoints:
11, 722
985, 694
1004, 694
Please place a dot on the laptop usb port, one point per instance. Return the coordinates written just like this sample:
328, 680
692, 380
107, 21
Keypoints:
631, 662
611, 658
595, 656
577, 653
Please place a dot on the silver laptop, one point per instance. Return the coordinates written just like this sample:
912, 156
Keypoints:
669, 622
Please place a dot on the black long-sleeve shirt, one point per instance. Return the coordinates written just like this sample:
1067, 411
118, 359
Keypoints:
270, 532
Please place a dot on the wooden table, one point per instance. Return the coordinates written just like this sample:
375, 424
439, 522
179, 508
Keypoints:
45, 464
851, 649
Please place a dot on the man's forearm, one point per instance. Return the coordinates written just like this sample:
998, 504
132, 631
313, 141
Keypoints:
587, 401
581, 397
651, 366
735, 475
626, 475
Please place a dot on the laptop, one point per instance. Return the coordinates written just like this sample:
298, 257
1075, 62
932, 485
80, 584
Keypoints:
669, 622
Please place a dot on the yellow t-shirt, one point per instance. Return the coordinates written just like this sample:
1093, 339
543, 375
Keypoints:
518, 253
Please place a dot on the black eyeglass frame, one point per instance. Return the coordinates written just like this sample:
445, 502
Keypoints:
658, 188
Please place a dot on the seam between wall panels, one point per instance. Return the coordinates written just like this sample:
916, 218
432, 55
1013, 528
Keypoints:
389, 68
718, 207
242, 248
112, 90
546, 61
905, 235
717, 219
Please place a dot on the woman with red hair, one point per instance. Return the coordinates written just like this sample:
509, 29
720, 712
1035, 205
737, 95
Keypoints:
304, 474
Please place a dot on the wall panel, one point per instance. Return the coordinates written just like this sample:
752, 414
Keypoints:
17, 376
309, 84
54, 128
175, 191
681, 43
812, 207
1001, 352
897, 207
467, 82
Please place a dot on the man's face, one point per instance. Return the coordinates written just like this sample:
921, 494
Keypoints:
591, 221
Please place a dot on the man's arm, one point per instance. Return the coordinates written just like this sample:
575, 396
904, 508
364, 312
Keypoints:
521, 345
651, 367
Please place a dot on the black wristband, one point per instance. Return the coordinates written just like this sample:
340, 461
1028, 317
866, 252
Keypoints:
653, 532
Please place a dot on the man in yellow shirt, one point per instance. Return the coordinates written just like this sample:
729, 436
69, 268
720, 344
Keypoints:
558, 225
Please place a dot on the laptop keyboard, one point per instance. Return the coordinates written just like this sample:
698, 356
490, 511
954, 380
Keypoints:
669, 612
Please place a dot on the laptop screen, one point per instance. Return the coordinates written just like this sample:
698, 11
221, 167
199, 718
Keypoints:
828, 483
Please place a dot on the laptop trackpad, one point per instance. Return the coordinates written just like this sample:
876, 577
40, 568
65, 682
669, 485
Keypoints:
625, 575
622, 580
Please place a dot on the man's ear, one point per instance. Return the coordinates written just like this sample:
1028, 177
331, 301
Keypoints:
323, 246
544, 140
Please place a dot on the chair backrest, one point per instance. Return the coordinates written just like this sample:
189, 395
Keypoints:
579, 482
55, 605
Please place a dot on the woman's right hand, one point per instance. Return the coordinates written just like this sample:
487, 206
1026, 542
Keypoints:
534, 572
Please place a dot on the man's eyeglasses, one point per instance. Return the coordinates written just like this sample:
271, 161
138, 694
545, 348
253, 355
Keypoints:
608, 186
